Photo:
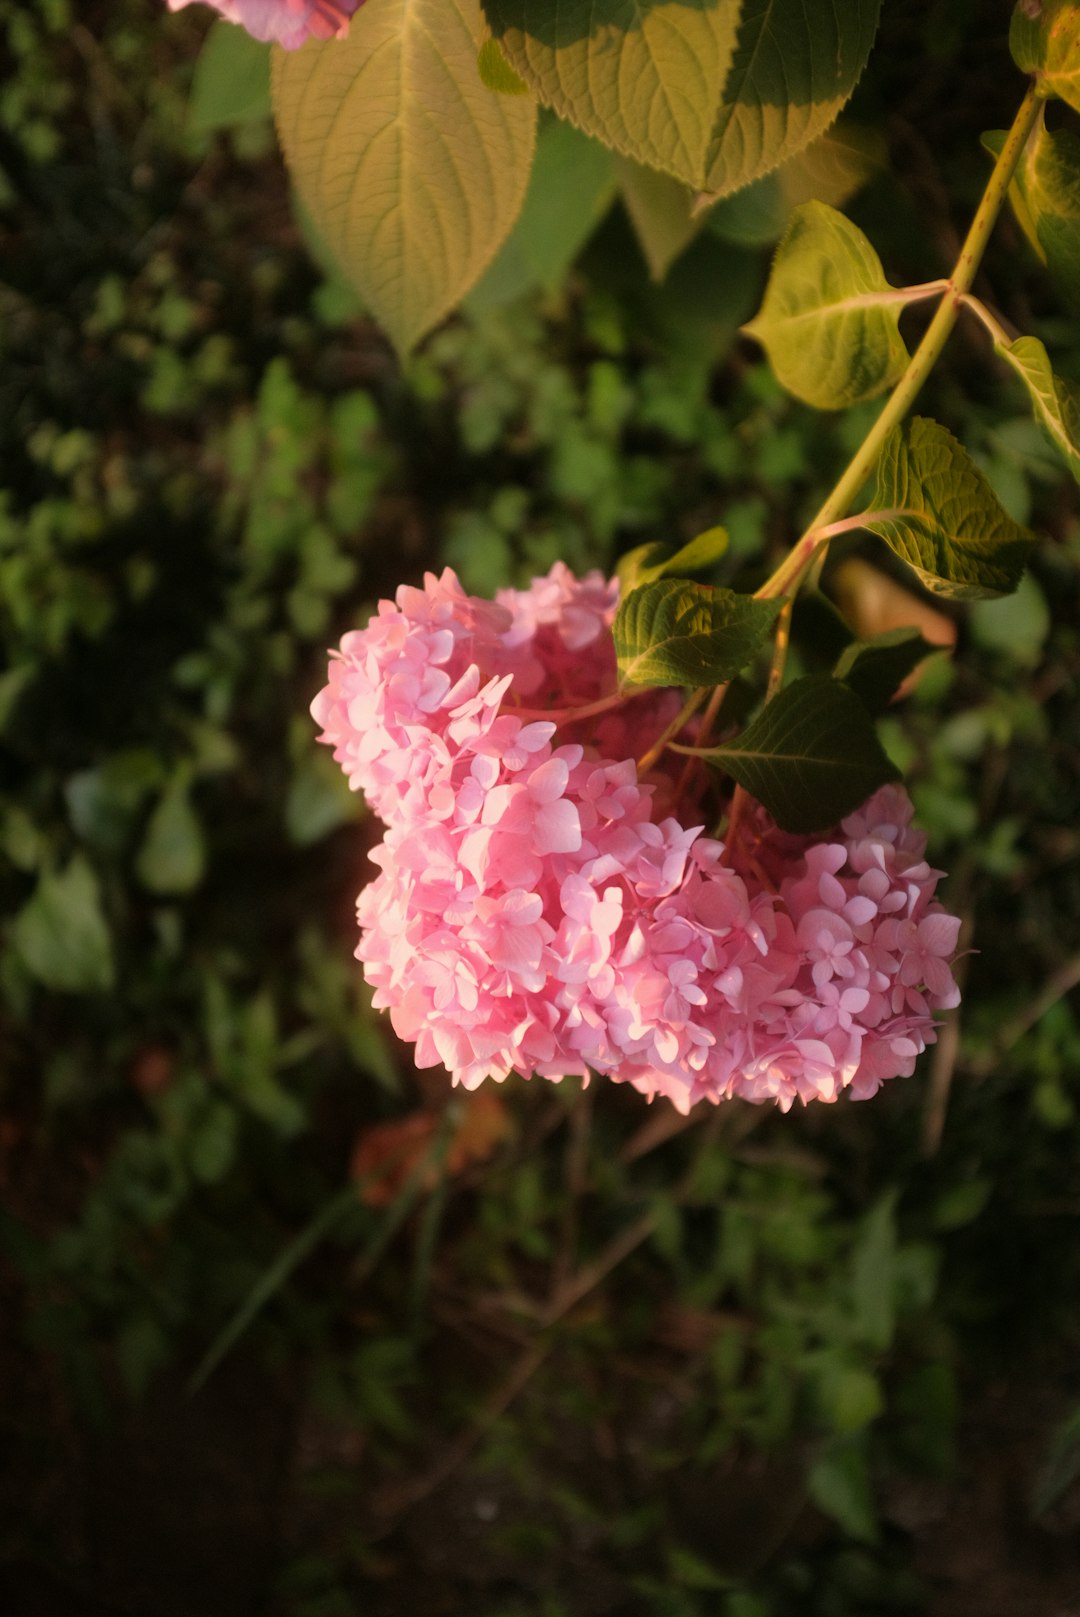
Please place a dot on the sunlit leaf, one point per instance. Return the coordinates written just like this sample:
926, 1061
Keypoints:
496, 71
644, 76
811, 755
660, 212
875, 669
1045, 40
938, 513
830, 321
1045, 196
61, 934
412, 170
556, 219
796, 64
1056, 403
672, 632
647, 563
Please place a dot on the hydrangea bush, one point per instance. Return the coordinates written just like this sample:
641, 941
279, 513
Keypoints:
589, 864
544, 906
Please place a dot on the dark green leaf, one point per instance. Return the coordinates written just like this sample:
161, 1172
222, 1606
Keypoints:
940, 516
811, 755
830, 320
672, 632
876, 668
61, 935
796, 63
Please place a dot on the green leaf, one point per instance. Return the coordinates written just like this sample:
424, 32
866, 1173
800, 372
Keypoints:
318, 800
1017, 626
644, 76
830, 320
649, 562
1045, 196
1060, 1465
61, 934
811, 755
556, 219
850, 1398
231, 83
496, 72
940, 516
1045, 40
876, 668
796, 64
672, 632
839, 1484
1056, 403
831, 169
660, 212
873, 1278
413, 172
172, 858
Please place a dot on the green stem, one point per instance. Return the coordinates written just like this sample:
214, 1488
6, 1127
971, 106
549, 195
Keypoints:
795, 564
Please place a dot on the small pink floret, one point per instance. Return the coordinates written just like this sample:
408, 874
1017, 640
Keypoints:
285, 22
540, 909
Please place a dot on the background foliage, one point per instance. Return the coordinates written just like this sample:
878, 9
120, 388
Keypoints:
533, 1353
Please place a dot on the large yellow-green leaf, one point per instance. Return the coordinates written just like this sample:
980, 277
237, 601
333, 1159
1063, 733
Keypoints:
830, 320
412, 169
644, 76
936, 511
1045, 196
1045, 40
660, 212
796, 65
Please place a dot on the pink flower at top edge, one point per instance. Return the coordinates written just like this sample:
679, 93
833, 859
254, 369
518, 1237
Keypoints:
541, 909
285, 22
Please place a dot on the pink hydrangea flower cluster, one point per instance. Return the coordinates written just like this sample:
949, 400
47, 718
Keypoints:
286, 22
538, 909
